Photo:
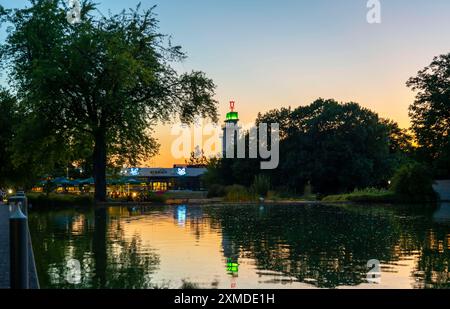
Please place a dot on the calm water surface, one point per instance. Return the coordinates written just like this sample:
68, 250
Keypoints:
242, 247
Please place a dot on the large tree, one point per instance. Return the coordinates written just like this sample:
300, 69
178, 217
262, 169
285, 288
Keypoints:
8, 121
102, 83
430, 113
336, 147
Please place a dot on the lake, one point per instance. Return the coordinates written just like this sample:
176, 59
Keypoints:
260, 246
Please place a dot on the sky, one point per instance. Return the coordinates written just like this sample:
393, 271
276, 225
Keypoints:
267, 54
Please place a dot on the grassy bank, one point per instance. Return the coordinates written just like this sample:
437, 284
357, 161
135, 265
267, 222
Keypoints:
59, 200
363, 196
372, 195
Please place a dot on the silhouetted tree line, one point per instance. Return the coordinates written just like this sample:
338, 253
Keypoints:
339, 147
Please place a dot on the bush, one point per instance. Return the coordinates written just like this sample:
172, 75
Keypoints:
261, 185
158, 197
238, 193
216, 191
273, 195
369, 195
414, 182
59, 200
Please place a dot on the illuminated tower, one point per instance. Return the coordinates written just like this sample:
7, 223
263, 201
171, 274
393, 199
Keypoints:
231, 120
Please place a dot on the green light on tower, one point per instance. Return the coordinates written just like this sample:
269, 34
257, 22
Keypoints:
233, 116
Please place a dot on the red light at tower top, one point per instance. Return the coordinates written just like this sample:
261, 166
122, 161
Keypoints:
232, 106
232, 116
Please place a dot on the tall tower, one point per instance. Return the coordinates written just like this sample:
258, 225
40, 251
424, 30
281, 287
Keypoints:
231, 120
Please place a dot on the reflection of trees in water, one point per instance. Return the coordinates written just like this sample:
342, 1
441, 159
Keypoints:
434, 262
108, 258
198, 223
128, 265
56, 240
321, 245
325, 246
423, 234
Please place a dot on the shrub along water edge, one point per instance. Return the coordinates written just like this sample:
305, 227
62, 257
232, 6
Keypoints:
59, 200
412, 183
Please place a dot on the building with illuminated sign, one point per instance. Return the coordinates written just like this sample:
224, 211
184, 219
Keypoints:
135, 179
178, 178
163, 179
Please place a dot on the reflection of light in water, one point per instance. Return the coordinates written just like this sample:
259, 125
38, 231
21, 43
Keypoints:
181, 215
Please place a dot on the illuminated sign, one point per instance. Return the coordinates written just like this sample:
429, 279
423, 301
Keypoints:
134, 171
181, 171
157, 172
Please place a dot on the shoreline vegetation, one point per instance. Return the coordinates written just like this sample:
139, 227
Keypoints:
410, 185
361, 197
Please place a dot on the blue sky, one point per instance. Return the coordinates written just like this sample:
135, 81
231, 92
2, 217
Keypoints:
266, 54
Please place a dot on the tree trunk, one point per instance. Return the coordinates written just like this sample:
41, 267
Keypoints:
100, 166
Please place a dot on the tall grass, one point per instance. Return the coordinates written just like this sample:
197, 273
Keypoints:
238, 193
368, 195
260, 186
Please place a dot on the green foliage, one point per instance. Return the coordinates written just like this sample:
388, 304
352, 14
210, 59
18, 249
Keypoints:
158, 198
238, 193
336, 147
8, 121
216, 191
369, 195
98, 87
430, 114
197, 158
411, 183
273, 196
261, 185
59, 200
215, 173
414, 182
49, 187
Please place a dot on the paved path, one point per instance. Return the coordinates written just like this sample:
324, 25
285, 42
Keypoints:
4, 252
